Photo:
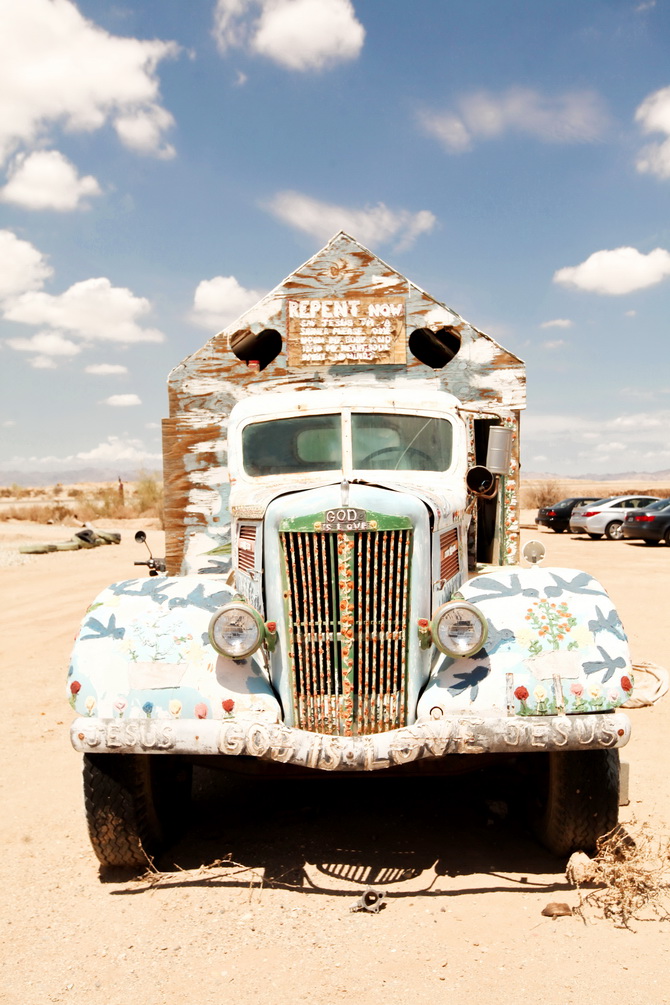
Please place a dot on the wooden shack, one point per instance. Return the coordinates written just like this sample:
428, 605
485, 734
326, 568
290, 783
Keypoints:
344, 317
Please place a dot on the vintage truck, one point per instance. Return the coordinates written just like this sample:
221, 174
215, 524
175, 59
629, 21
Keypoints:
344, 590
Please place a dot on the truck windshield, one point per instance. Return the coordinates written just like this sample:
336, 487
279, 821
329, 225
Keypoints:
293, 446
392, 442
384, 441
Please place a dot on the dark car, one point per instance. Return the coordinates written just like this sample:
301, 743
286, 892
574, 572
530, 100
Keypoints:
651, 524
558, 516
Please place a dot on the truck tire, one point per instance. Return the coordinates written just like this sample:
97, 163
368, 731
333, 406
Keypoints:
578, 799
134, 805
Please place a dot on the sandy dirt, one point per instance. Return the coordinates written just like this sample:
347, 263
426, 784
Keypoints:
464, 883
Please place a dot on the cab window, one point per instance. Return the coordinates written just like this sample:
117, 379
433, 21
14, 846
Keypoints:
292, 446
392, 442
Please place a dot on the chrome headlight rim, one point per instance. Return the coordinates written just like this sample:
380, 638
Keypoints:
475, 614
237, 605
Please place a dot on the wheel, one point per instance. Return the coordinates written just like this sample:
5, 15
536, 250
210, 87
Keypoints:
401, 451
578, 799
614, 530
666, 536
595, 537
648, 540
558, 530
134, 804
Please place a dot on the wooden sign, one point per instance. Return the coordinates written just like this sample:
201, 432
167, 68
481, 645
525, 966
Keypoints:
345, 332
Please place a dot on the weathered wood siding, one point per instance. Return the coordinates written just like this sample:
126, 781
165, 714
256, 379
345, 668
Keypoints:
206, 385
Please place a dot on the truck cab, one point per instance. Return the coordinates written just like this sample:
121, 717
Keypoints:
344, 588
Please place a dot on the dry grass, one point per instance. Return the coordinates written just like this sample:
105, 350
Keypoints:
535, 494
111, 501
631, 878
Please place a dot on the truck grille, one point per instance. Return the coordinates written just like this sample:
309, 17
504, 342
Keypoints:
347, 604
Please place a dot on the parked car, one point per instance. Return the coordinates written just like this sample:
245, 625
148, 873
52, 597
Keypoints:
557, 516
651, 524
606, 516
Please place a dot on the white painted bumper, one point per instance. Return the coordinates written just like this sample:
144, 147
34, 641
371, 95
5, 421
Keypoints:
425, 739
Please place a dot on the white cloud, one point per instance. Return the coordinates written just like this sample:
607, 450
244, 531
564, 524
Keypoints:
47, 343
220, 300
142, 131
43, 363
92, 309
297, 34
105, 369
642, 420
122, 400
371, 226
58, 68
574, 117
22, 266
610, 448
47, 180
557, 323
653, 116
616, 272
114, 450
557, 343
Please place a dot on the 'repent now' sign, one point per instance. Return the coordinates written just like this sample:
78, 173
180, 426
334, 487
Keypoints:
345, 331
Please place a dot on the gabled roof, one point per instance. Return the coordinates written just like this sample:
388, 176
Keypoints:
345, 316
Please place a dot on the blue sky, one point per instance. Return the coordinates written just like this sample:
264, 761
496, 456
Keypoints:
164, 164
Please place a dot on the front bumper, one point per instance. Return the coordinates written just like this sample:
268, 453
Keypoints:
430, 738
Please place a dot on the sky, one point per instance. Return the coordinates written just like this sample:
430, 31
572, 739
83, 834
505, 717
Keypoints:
164, 164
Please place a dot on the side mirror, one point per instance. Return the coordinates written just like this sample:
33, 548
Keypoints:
482, 482
140, 536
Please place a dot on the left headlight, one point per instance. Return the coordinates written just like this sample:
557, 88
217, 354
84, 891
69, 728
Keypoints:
459, 629
236, 630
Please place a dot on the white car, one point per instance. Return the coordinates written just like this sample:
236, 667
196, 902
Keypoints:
606, 516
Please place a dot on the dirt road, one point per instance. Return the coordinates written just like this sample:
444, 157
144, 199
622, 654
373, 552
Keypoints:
465, 884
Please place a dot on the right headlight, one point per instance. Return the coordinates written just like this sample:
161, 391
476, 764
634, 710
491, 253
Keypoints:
459, 629
236, 630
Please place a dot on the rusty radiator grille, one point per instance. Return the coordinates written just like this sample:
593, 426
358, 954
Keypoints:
449, 554
347, 604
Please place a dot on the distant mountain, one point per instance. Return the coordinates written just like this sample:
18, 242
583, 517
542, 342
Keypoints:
38, 479
622, 476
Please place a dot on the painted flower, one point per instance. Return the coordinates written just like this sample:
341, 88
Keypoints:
540, 693
228, 704
148, 708
577, 689
175, 707
120, 706
595, 690
201, 710
521, 693
626, 684
90, 704
75, 687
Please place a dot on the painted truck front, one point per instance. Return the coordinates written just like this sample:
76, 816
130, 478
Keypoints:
344, 590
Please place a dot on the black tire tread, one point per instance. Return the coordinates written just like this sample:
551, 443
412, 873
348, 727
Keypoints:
582, 800
134, 803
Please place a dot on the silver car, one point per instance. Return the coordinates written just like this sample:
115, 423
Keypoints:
606, 516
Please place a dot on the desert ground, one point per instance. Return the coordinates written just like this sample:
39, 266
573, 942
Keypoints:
465, 882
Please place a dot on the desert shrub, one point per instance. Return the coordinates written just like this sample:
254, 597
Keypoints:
540, 494
631, 876
38, 513
148, 495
